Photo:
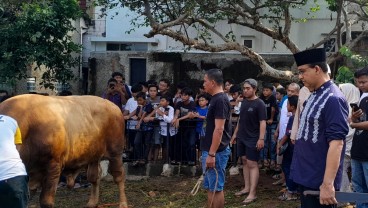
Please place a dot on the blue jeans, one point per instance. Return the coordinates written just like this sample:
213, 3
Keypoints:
359, 178
14, 192
212, 181
269, 143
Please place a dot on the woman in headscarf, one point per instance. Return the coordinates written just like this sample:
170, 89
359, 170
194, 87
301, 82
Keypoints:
352, 95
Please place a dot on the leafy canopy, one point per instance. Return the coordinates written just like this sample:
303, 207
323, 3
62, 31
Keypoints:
35, 34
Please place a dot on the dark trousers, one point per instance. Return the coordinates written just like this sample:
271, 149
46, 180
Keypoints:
14, 192
189, 141
142, 144
286, 164
311, 201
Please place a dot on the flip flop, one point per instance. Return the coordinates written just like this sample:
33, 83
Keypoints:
241, 193
249, 201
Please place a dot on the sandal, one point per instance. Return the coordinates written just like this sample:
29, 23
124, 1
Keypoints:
278, 182
249, 201
276, 176
241, 193
266, 163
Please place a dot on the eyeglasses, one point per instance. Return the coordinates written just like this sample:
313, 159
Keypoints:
303, 70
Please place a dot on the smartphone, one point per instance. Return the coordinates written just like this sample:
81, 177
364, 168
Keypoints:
354, 106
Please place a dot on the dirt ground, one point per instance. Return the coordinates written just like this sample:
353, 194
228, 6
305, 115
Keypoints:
170, 192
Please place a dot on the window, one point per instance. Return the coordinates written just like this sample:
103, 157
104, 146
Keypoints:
31, 84
112, 47
330, 45
248, 43
126, 47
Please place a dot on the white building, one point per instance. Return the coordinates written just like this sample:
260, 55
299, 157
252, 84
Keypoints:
108, 38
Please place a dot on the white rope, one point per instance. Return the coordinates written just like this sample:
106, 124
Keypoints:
199, 182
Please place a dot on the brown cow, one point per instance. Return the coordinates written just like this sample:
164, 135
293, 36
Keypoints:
65, 134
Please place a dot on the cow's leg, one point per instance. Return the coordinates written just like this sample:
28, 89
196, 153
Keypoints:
70, 179
49, 185
93, 176
117, 171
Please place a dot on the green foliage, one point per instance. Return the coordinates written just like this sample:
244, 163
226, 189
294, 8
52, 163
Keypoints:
332, 5
345, 73
35, 34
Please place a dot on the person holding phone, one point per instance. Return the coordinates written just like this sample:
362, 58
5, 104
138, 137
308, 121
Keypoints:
359, 153
351, 93
114, 93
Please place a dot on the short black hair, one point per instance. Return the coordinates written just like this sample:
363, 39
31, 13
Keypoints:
281, 90
166, 97
112, 80
187, 91
361, 72
205, 96
136, 88
231, 81
267, 85
152, 85
166, 81
141, 95
235, 88
143, 84
151, 82
293, 100
215, 75
114, 74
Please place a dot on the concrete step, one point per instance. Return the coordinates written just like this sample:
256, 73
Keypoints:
153, 169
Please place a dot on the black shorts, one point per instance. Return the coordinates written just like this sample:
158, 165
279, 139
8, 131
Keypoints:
249, 151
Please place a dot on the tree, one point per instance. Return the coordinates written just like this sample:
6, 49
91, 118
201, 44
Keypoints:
273, 18
35, 34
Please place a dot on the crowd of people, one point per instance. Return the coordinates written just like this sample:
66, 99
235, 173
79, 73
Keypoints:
314, 135
305, 133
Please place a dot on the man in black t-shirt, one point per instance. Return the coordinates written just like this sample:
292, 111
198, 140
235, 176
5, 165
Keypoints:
183, 111
215, 144
359, 153
249, 134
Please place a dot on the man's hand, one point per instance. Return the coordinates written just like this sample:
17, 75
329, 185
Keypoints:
173, 121
210, 162
355, 115
269, 122
233, 139
327, 194
260, 144
147, 119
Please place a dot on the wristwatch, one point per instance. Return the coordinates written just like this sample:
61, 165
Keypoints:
212, 155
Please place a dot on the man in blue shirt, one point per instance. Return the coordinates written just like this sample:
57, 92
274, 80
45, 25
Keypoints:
319, 148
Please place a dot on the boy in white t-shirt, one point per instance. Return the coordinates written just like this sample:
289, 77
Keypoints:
13, 175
